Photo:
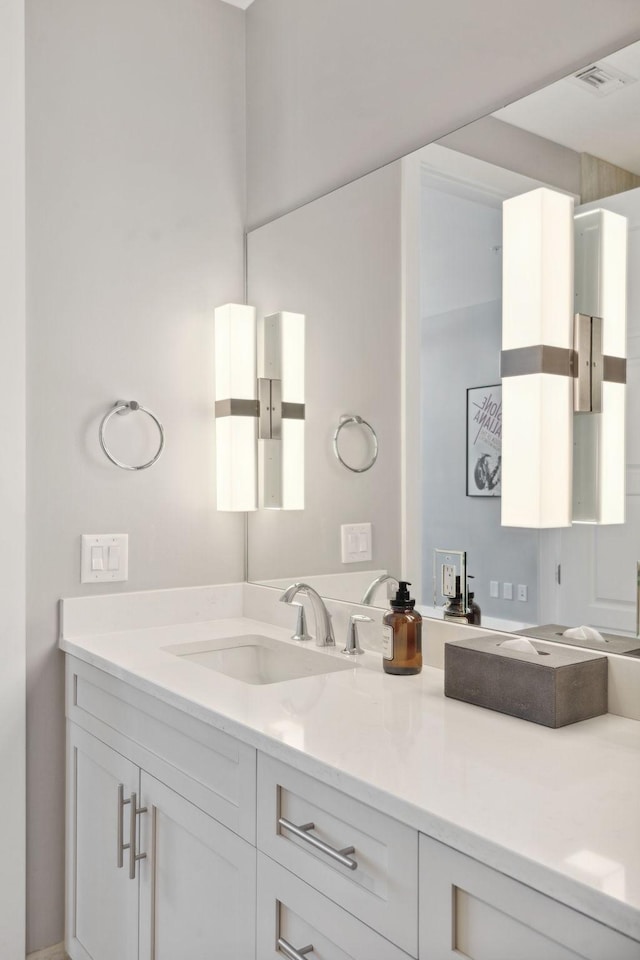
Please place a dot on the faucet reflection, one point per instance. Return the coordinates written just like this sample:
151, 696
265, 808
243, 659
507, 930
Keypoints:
373, 586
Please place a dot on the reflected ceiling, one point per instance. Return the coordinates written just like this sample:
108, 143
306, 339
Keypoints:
585, 119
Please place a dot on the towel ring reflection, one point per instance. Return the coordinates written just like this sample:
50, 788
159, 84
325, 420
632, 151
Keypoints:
344, 421
122, 408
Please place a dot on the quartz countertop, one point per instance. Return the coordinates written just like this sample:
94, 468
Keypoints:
557, 809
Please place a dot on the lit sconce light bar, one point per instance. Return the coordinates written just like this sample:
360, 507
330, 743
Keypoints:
563, 373
236, 407
281, 338
537, 344
599, 425
260, 429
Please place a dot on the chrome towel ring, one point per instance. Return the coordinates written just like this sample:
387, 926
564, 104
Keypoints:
122, 408
344, 421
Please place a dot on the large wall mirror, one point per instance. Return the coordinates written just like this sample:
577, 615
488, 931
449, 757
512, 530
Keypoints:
399, 275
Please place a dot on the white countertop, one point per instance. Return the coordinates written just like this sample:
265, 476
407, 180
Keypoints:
556, 809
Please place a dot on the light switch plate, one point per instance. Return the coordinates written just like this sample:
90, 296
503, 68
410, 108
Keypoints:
356, 542
494, 588
104, 557
507, 591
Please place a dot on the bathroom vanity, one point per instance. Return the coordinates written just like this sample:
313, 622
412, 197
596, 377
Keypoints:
341, 814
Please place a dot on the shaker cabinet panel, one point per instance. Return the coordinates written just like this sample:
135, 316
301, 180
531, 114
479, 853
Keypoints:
213, 770
470, 910
197, 883
293, 916
362, 859
102, 902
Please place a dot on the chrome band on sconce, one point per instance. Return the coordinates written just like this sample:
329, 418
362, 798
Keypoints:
251, 408
615, 369
585, 363
523, 361
236, 408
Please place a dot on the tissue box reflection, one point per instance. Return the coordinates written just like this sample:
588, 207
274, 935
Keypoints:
551, 687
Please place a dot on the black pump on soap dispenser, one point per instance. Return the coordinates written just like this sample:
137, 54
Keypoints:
402, 635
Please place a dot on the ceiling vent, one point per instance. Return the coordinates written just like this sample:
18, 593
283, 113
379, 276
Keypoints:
601, 80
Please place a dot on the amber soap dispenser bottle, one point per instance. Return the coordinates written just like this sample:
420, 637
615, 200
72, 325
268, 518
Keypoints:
402, 635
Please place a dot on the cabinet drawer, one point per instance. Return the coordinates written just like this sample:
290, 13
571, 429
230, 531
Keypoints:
291, 912
468, 909
382, 890
214, 771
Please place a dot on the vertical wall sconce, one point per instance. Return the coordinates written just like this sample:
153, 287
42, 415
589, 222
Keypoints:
599, 422
563, 372
281, 422
259, 409
537, 342
236, 407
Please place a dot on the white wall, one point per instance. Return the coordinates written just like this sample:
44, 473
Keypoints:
135, 233
336, 89
337, 260
12, 481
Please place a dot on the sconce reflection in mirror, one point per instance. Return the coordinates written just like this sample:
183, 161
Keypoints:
259, 371
563, 363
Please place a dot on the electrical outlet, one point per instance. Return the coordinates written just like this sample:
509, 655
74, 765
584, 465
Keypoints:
522, 592
494, 588
448, 580
507, 591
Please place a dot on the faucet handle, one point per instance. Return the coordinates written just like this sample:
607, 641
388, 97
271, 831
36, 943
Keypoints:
302, 633
353, 647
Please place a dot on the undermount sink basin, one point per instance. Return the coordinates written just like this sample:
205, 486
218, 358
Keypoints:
253, 658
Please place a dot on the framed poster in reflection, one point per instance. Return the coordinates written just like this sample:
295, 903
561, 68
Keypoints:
484, 441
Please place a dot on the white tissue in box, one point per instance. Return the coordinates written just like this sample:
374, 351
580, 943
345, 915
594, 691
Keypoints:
584, 633
521, 644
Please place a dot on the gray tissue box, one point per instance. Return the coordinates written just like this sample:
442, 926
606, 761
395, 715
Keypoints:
555, 688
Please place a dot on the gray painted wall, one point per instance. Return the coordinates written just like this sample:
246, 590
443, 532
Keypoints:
135, 221
336, 89
337, 260
12, 481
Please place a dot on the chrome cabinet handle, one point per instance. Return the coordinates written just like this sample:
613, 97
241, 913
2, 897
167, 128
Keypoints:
291, 952
121, 845
302, 832
134, 810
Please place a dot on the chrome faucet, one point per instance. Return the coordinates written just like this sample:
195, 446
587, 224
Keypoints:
324, 630
373, 586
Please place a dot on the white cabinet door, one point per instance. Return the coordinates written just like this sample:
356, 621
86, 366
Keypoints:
102, 902
198, 883
469, 910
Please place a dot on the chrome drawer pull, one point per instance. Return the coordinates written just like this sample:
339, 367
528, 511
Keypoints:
291, 952
122, 846
302, 833
133, 857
